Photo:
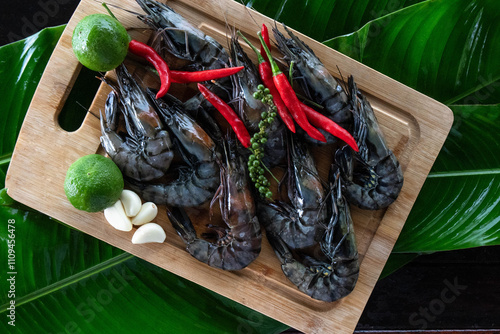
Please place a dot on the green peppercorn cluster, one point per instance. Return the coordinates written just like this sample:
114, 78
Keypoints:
256, 167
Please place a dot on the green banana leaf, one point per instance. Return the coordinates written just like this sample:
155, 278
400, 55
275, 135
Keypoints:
447, 49
458, 207
67, 281
324, 19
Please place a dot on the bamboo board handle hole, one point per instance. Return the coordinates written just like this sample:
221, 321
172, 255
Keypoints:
79, 100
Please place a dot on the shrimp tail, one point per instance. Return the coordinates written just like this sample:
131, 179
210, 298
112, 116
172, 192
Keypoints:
280, 248
182, 224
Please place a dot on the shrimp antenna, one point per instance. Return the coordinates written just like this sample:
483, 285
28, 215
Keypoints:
225, 20
118, 7
247, 8
229, 41
344, 84
108, 82
87, 110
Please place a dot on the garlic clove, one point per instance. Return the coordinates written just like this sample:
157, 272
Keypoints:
150, 232
131, 202
116, 217
148, 212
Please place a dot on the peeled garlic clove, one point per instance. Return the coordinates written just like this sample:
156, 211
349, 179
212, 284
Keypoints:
148, 212
150, 232
115, 215
131, 202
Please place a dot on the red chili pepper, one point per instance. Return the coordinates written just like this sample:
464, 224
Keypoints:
239, 128
289, 98
266, 74
147, 52
265, 35
321, 121
207, 75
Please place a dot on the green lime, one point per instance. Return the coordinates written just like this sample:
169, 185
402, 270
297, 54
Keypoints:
93, 183
100, 42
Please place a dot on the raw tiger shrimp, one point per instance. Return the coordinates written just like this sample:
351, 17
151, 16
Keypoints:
238, 244
319, 279
197, 182
315, 80
373, 176
198, 108
179, 42
146, 153
333, 272
244, 85
249, 109
339, 241
301, 223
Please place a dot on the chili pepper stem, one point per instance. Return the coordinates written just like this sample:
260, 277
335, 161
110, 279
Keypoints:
260, 59
274, 67
290, 72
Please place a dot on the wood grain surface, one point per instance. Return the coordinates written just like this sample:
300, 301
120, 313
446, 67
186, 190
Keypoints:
415, 127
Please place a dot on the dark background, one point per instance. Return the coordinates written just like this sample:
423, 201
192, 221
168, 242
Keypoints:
457, 290
22, 18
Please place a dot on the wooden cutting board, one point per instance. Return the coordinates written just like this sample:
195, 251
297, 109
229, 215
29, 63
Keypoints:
415, 127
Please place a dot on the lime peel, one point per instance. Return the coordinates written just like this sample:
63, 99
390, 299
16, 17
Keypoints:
93, 183
100, 42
